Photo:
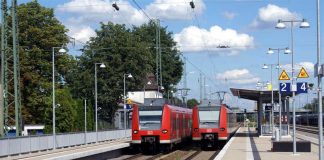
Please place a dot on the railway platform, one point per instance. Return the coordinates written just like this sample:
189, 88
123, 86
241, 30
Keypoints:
74, 152
246, 144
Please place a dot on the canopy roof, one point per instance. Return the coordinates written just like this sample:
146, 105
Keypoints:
255, 95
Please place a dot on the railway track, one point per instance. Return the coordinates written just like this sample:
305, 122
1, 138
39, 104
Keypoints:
141, 156
308, 129
180, 154
198, 155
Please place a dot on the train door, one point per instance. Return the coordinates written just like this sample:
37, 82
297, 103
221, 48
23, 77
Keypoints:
183, 125
177, 125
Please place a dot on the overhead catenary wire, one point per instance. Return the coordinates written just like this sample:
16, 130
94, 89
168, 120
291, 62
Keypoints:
158, 47
195, 17
139, 7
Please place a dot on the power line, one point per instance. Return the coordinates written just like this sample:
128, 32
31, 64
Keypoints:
139, 7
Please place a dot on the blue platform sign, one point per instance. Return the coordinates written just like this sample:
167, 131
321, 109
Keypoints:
285, 88
128, 106
302, 87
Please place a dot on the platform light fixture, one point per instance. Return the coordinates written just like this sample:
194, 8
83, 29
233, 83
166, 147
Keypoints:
61, 51
102, 65
281, 25
129, 75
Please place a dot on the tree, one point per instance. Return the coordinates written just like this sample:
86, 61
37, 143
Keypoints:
192, 102
39, 31
313, 106
172, 66
310, 106
117, 48
123, 51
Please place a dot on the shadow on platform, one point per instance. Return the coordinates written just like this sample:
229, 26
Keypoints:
251, 136
246, 135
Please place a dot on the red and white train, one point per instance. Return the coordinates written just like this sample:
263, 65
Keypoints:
159, 126
212, 123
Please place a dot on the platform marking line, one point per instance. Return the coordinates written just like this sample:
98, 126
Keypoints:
225, 148
249, 151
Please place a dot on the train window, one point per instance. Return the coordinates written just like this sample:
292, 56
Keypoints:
150, 120
209, 117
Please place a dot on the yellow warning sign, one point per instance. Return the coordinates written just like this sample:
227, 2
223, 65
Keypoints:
129, 101
303, 73
284, 75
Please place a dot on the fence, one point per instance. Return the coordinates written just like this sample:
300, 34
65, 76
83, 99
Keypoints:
27, 144
267, 129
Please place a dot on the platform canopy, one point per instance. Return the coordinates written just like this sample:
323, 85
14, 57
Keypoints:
256, 95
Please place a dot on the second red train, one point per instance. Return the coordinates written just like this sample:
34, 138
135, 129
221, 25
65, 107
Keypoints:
212, 124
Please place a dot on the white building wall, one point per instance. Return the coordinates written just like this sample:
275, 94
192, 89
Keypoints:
138, 96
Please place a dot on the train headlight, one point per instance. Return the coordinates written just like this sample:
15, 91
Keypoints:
164, 131
222, 129
135, 131
196, 129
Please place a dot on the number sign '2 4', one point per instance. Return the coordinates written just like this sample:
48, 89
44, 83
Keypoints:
286, 87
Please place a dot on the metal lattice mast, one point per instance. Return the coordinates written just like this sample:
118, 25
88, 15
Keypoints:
3, 105
10, 70
16, 68
157, 29
160, 53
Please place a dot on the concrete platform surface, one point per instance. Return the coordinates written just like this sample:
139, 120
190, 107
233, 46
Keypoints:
75, 152
245, 144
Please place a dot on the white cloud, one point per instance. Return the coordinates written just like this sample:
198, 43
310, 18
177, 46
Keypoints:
91, 12
87, 11
229, 15
174, 9
194, 39
269, 15
238, 76
82, 33
309, 67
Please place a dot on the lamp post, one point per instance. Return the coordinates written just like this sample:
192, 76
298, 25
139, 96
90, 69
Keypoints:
260, 86
129, 75
271, 51
319, 82
102, 65
281, 25
85, 121
265, 66
61, 51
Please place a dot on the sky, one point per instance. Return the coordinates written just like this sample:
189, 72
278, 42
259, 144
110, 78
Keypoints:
245, 27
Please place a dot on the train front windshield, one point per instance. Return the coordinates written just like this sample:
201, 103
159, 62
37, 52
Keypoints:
209, 117
150, 119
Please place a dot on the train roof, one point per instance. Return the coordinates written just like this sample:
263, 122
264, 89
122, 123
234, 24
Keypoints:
181, 109
159, 103
209, 102
212, 103
155, 101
